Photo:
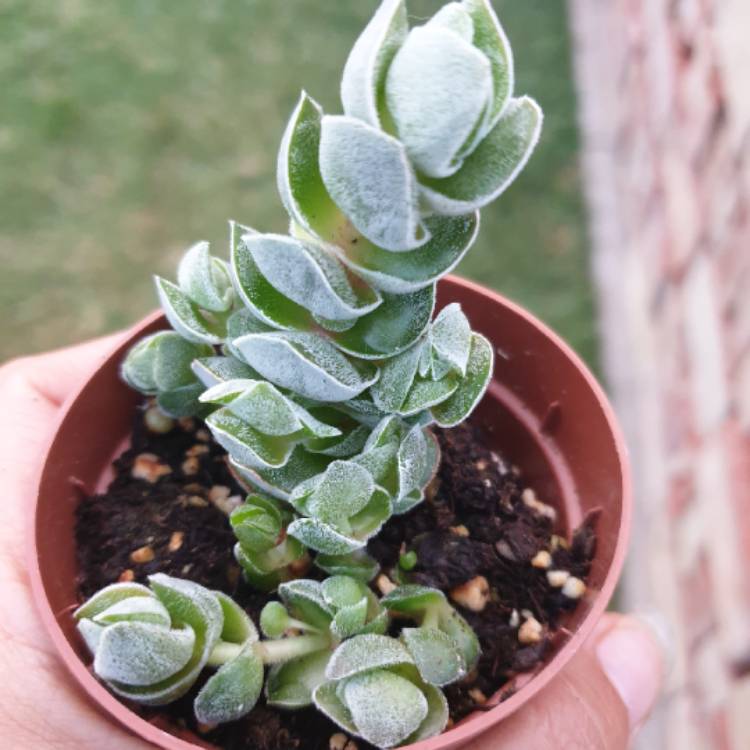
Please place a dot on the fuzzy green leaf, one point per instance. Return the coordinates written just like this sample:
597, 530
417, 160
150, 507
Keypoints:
257, 524
185, 316
401, 273
108, 596
213, 370
306, 364
451, 337
364, 653
412, 599
460, 405
327, 701
238, 627
292, 685
350, 620
490, 38
397, 323
140, 654
304, 600
233, 691
323, 537
368, 175
205, 279
438, 89
436, 655
492, 166
279, 483
356, 565
364, 74
245, 444
384, 707
310, 277
298, 172
146, 609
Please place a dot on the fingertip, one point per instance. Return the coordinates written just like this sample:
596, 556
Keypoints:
631, 656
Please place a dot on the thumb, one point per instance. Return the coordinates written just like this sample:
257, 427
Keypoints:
599, 700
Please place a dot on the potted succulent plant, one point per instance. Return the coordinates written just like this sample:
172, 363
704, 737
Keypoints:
312, 371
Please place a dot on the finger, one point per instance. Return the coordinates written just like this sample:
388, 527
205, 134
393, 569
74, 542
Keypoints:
31, 391
54, 375
599, 700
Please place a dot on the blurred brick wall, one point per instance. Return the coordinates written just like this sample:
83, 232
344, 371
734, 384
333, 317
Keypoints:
665, 110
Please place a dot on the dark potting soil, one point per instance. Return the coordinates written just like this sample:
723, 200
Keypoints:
475, 537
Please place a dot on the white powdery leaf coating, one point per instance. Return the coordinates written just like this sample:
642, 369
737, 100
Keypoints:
184, 315
142, 654
322, 537
492, 166
438, 88
213, 370
258, 403
245, 444
462, 403
451, 337
205, 279
306, 364
435, 654
490, 38
233, 691
344, 490
311, 278
364, 653
368, 62
385, 708
91, 634
368, 174
455, 17
396, 378
140, 608
109, 595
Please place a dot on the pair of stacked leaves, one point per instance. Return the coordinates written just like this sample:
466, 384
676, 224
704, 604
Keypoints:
150, 645
326, 646
387, 690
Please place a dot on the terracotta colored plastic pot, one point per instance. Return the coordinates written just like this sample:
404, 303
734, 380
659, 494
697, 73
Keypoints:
544, 412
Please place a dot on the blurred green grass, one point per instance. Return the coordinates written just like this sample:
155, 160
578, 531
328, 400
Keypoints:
132, 128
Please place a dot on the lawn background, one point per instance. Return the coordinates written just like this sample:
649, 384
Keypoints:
129, 129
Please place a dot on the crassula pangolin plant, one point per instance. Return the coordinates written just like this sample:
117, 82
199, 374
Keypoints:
326, 645
317, 362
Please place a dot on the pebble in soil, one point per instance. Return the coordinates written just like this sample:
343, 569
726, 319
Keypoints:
481, 536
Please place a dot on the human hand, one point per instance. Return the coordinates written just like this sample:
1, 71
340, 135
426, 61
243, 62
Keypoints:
599, 700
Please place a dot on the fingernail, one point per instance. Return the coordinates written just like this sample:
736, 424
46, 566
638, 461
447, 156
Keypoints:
632, 659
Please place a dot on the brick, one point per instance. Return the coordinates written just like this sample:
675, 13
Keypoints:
738, 715
726, 556
703, 334
683, 730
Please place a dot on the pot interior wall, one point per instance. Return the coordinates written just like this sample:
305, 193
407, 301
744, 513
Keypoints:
543, 413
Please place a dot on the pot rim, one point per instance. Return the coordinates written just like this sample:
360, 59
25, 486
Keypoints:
467, 729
